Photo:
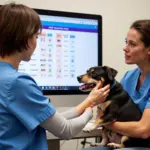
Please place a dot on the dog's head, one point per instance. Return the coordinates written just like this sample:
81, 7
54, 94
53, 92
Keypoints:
99, 73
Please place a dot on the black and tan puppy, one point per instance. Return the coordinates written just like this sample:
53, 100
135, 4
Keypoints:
117, 107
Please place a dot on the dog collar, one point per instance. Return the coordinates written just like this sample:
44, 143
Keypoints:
114, 83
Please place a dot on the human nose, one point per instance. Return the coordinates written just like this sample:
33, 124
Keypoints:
126, 48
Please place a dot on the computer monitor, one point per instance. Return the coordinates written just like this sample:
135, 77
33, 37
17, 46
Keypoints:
69, 44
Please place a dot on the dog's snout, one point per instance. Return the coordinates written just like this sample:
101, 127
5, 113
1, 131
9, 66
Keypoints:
79, 78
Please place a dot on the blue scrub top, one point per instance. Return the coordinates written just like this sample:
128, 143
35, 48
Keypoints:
22, 108
142, 96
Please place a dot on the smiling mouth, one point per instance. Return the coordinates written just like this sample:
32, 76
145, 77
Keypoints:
87, 86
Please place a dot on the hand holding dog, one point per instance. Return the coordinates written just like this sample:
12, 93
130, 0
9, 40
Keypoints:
99, 94
96, 96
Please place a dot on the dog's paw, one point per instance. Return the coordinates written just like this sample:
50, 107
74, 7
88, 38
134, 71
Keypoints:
86, 129
114, 145
89, 128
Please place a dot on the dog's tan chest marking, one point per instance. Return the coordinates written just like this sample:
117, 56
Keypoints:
100, 110
104, 105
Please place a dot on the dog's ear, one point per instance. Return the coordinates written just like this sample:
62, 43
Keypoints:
111, 72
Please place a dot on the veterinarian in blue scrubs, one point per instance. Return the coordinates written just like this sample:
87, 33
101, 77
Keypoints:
24, 112
137, 81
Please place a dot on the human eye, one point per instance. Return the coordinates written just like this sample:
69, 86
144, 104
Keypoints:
132, 44
125, 40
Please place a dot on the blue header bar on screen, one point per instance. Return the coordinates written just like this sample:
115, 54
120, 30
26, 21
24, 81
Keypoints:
69, 25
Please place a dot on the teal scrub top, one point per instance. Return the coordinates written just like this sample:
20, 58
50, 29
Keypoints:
142, 96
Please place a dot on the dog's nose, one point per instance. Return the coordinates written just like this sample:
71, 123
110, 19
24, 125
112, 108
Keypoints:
79, 78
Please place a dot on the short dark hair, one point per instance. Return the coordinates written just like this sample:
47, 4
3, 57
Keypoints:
18, 23
143, 27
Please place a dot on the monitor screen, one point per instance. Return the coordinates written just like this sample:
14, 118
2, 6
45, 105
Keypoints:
68, 45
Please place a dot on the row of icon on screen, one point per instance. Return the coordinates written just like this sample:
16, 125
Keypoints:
55, 87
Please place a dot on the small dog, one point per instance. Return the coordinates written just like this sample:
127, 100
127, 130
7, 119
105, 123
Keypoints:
118, 106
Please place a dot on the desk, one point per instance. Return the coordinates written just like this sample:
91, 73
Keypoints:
54, 142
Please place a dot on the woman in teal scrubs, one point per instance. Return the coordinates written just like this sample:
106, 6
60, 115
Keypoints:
136, 82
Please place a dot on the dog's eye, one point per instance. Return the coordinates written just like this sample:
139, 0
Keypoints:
93, 74
92, 70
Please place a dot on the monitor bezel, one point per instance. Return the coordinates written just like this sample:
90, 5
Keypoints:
74, 15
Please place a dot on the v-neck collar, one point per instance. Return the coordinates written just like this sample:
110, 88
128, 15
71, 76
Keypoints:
144, 84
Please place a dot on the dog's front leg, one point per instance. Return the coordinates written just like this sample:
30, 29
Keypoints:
92, 127
104, 141
104, 138
96, 124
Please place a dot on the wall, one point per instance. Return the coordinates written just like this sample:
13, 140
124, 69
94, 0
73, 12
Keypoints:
117, 17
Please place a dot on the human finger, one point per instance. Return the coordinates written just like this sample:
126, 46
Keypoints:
98, 85
106, 87
107, 92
